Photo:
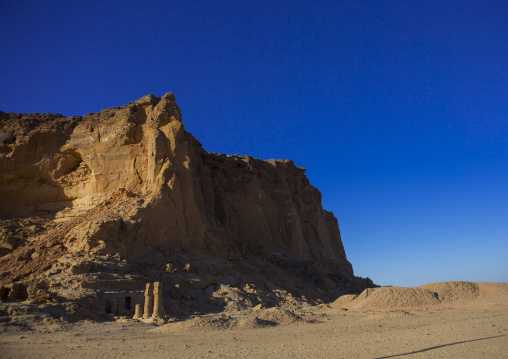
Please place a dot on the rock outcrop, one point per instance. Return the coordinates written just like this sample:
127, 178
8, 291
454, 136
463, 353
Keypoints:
131, 183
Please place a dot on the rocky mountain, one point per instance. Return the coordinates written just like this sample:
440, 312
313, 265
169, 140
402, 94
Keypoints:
113, 200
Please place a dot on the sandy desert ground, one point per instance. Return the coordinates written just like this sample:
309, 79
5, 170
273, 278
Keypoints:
388, 322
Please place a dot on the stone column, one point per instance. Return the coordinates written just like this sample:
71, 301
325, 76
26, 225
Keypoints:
158, 303
148, 301
138, 312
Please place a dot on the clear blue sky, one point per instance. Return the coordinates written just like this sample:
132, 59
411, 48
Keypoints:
398, 109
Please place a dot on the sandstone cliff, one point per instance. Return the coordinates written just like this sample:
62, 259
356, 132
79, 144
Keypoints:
131, 183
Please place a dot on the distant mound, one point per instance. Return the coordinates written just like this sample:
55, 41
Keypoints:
425, 296
453, 291
392, 298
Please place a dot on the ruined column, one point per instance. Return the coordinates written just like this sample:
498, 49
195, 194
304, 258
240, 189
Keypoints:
158, 303
148, 301
138, 313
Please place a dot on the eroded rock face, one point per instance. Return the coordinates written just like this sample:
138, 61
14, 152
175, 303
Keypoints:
178, 196
130, 182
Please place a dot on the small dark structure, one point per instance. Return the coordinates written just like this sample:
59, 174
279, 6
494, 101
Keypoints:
121, 302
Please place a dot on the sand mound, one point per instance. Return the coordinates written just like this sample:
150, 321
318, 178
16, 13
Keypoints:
394, 298
343, 300
263, 318
278, 316
452, 291
464, 291
428, 295
198, 323
493, 290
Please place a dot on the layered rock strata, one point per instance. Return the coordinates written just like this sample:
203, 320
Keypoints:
129, 182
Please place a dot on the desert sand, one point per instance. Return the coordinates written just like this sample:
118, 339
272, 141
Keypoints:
458, 320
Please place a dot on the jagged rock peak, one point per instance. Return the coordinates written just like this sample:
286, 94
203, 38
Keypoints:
149, 99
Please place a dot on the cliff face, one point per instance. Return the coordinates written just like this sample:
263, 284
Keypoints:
177, 196
129, 184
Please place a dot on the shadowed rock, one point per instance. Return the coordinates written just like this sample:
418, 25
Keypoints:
129, 190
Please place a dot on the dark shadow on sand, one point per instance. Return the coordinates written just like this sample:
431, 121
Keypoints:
439, 346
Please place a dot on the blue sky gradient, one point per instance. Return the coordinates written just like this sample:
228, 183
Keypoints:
398, 109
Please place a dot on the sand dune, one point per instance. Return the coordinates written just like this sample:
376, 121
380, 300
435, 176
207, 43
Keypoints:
452, 291
425, 296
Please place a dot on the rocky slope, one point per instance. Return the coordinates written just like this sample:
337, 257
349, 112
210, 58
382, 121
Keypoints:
115, 199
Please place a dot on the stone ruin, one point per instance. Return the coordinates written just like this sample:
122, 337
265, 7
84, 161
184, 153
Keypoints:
141, 304
153, 302
120, 302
